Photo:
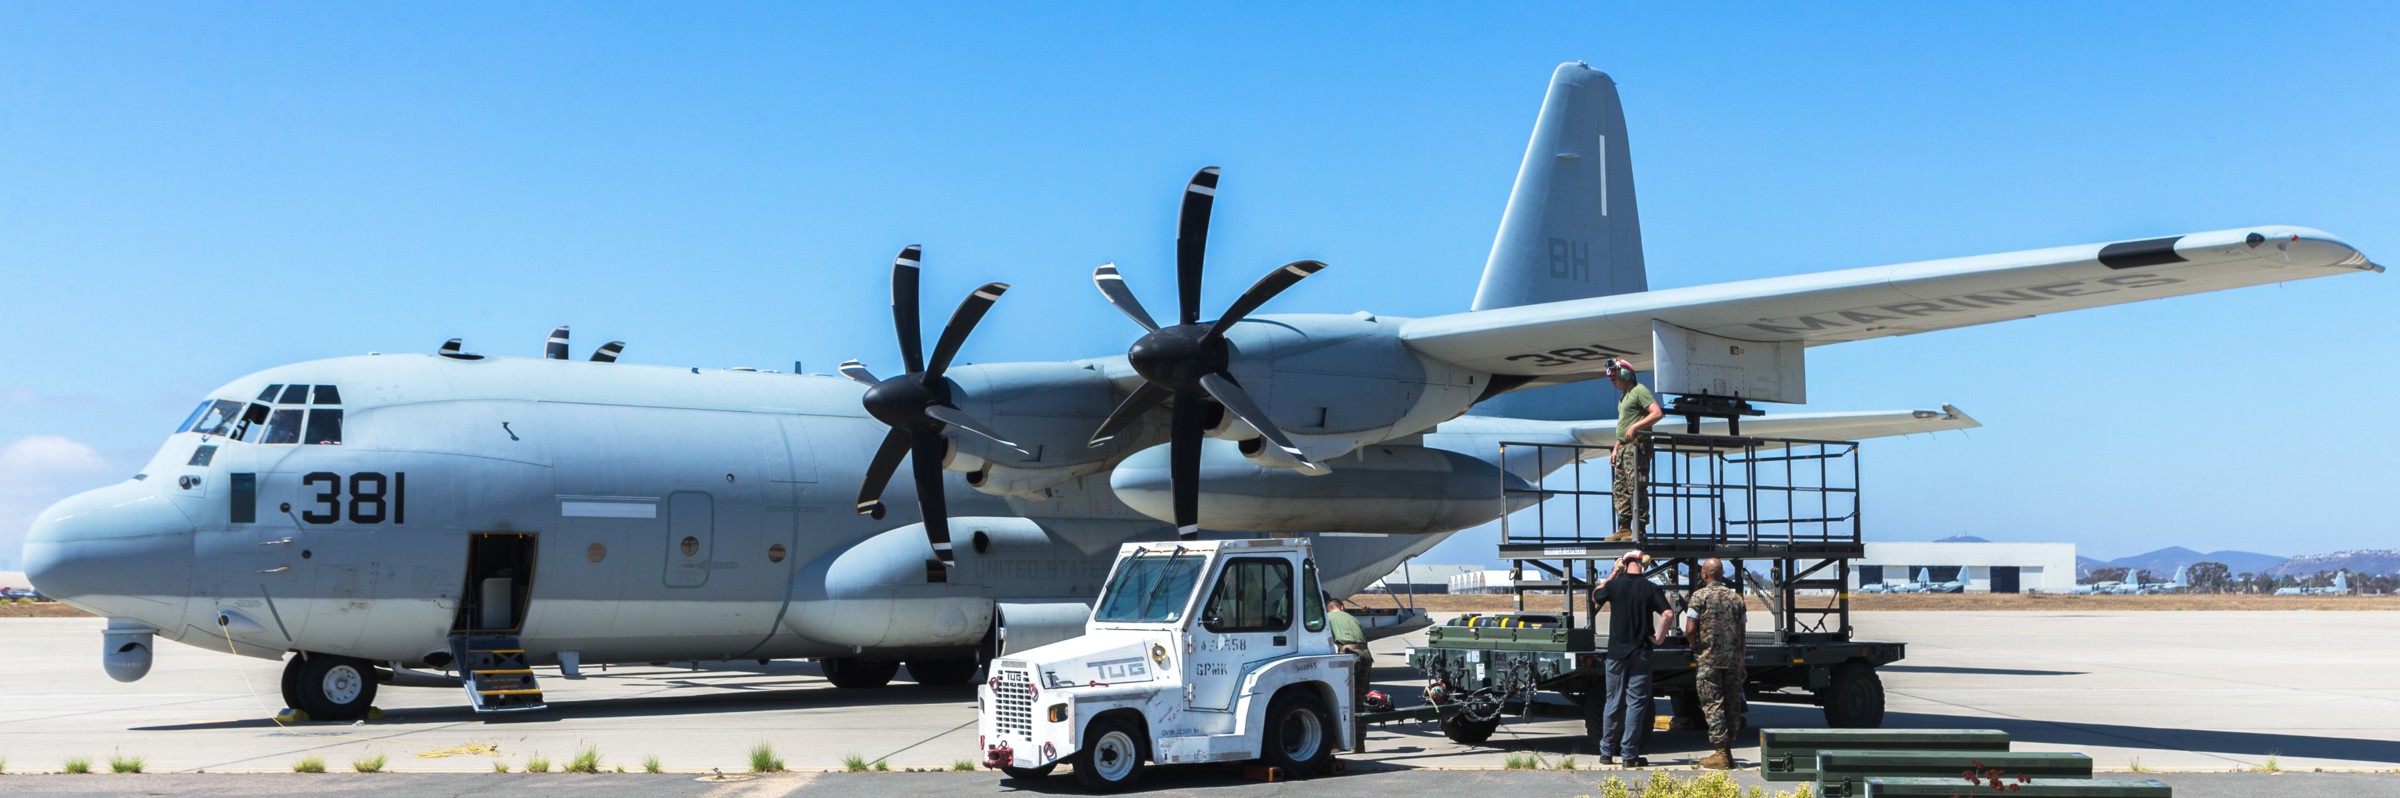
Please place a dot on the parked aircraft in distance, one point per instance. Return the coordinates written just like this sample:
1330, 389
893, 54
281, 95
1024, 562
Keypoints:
381, 516
2340, 587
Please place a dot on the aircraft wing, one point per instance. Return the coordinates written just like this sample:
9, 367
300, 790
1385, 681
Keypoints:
1577, 336
1854, 426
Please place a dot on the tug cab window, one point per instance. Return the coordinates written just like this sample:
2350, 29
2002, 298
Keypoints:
1254, 595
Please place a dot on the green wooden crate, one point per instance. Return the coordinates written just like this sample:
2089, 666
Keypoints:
2037, 788
1842, 774
1791, 754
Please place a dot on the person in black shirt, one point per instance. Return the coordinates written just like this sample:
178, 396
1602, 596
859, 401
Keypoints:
1638, 616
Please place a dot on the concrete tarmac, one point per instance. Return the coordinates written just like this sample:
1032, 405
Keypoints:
2161, 691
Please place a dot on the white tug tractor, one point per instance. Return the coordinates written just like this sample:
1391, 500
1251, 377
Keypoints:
1201, 651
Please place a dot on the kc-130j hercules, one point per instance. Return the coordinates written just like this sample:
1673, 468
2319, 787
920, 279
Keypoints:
378, 516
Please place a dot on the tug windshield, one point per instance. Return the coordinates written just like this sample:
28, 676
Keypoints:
1151, 587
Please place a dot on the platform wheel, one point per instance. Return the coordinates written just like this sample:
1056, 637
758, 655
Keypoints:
329, 687
1855, 699
1111, 759
853, 673
1468, 731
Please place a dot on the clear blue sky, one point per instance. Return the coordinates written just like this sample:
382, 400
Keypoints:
192, 192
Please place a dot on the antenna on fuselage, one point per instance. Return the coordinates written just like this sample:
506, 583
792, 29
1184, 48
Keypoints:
453, 349
608, 352
557, 350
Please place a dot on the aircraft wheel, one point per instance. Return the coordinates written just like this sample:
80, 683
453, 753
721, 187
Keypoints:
852, 673
329, 687
1027, 774
1111, 758
1299, 734
943, 671
1468, 731
1855, 699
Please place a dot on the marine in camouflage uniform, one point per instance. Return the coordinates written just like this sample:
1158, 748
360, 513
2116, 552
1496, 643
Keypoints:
1714, 625
1629, 460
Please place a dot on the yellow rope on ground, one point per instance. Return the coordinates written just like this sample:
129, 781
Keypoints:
246, 685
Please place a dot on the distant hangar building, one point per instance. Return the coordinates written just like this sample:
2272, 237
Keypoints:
1421, 578
1985, 566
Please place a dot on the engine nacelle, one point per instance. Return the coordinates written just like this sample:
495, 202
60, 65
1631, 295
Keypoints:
1379, 488
125, 649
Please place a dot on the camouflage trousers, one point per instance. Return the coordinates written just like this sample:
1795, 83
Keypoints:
1631, 468
1721, 702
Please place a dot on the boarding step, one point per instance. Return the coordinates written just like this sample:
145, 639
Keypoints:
1791, 754
498, 675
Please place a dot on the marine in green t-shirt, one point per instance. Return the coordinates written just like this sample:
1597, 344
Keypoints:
1628, 458
1346, 631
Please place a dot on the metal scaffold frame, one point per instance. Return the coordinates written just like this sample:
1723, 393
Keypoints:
1789, 504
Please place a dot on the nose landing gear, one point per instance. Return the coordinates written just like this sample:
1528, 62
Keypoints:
329, 687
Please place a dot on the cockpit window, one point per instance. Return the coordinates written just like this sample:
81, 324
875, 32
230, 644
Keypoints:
324, 426
258, 422
252, 417
283, 426
215, 418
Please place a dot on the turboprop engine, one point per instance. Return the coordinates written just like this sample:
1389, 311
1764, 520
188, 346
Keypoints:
1382, 488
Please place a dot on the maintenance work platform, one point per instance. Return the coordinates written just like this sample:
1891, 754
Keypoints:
1788, 505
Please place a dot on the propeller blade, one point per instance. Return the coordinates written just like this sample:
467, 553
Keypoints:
904, 309
453, 346
557, 348
1143, 398
1183, 454
1112, 286
1237, 402
1191, 240
962, 321
959, 418
858, 373
879, 472
925, 458
1265, 289
608, 352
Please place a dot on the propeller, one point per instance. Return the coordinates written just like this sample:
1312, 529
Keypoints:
917, 404
556, 348
1187, 362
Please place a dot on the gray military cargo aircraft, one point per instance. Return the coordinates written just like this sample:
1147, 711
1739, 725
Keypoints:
379, 516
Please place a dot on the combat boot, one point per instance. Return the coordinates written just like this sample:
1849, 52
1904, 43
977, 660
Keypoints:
1721, 760
1623, 535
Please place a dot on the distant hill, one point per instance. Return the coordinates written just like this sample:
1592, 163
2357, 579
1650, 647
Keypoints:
2162, 563
2084, 566
2364, 561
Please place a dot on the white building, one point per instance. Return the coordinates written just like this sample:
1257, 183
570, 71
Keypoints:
1420, 578
1986, 567
1481, 581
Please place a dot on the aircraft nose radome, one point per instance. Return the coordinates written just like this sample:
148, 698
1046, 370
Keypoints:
121, 551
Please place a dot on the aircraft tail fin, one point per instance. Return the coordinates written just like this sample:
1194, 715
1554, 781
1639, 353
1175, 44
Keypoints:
1570, 230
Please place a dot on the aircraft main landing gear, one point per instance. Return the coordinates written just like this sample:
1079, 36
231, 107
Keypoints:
854, 673
329, 687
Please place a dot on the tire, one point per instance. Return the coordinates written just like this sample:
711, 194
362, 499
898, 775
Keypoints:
943, 671
1855, 699
852, 673
1027, 774
1111, 759
1683, 708
291, 680
1464, 731
1298, 735
328, 687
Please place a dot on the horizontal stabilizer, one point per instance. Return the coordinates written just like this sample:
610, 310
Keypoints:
1811, 426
